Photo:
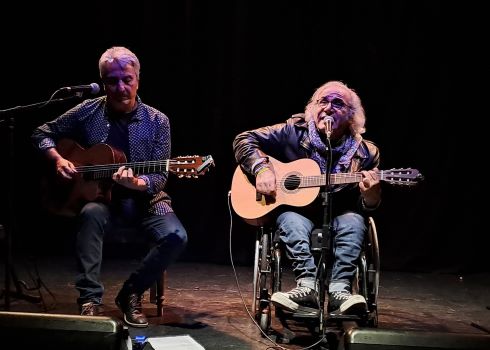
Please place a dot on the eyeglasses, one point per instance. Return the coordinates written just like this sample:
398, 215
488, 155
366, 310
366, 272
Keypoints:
336, 102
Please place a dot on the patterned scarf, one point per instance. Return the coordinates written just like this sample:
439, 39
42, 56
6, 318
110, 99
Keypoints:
345, 149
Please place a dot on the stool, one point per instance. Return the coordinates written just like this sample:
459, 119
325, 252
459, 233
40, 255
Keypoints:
123, 235
157, 293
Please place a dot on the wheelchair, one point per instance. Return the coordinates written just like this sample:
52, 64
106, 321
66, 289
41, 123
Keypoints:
268, 267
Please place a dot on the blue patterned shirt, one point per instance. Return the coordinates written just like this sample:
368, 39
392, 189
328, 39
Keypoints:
88, 124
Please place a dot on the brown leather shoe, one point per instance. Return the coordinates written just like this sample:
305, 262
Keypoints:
130, 305
90, 309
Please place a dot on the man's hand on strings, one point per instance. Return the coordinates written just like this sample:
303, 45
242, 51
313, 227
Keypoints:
65, 168
125, 177
265, 181
370, 187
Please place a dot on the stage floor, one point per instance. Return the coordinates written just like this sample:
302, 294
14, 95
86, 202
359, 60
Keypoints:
205, 302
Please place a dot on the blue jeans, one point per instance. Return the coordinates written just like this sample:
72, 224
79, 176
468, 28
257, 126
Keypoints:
348, 229
95, 220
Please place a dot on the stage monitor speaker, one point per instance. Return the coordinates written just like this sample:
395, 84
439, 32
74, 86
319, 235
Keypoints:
56, 331
379, 339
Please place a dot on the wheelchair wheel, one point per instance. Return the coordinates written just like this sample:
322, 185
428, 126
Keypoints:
373, 271
276, 271
262, 281
368, 275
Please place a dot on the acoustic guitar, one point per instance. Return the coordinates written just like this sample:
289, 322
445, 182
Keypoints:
95, 166
298, 184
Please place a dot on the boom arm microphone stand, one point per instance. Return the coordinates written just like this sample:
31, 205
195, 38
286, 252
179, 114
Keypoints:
10, 274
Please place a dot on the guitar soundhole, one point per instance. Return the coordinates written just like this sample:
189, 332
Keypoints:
292, 182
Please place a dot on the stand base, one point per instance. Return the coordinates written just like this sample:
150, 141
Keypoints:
21, 295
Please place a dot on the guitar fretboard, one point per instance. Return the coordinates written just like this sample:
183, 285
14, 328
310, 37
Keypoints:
106, 170
321, 180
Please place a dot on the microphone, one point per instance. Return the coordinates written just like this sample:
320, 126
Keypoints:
328, 125
93, 88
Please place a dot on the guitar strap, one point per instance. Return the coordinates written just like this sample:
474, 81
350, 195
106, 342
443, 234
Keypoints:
346, 149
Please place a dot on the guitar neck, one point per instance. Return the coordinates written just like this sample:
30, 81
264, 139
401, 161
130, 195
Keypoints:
106, 170
335, 179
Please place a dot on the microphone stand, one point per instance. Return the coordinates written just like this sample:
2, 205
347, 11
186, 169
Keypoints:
326, 231
8, 231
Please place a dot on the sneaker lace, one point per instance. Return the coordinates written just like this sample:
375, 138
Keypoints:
299, 292
87, 308
135, 303
342, 295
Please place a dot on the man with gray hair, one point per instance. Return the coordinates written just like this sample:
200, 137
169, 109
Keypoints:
139, 133
329, 133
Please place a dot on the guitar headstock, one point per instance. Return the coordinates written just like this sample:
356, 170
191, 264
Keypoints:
190, 166
404, 176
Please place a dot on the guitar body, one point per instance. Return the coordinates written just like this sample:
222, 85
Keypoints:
253, 207
66, 197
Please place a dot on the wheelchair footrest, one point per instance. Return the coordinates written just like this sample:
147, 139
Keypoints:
303, 314
340, 317
312, 314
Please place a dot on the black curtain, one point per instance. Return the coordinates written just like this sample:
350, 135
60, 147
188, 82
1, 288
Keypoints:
219, 68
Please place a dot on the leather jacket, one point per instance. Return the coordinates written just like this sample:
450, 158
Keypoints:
289, 141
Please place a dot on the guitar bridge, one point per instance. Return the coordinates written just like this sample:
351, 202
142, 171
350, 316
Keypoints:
264, 199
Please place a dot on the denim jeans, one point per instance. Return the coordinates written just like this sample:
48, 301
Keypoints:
96, 219
348, 231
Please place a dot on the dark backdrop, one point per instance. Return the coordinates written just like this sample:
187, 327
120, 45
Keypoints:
218, 68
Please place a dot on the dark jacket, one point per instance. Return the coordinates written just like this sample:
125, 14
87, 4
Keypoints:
289, 141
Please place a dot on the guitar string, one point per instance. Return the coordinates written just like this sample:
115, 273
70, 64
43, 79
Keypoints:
136, 165
401, 175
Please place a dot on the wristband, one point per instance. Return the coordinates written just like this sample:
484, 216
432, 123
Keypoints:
262, 170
